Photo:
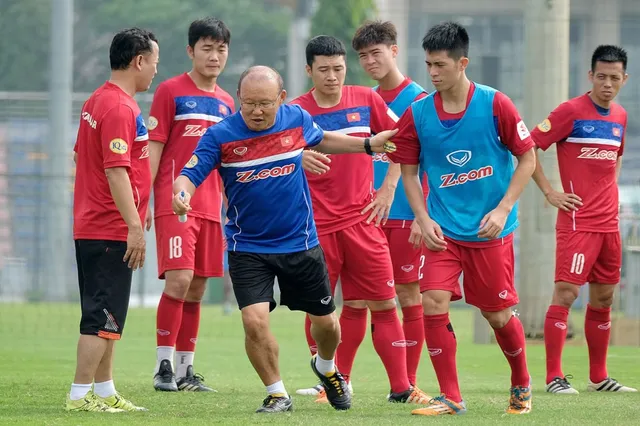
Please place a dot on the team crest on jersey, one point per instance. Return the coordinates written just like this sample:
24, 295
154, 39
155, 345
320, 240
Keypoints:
193, 161
118, 146
459, 158
353, 116
545, 126
240, 150
523, 132
286, 141
153, 122
616, 132
223, 110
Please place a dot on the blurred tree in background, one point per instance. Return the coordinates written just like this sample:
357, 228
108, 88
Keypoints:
341, 18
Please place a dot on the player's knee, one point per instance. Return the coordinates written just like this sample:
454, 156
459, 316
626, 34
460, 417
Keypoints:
565, 294
255, 322
601, 296
409, 294
356, 304
326, 323
435, 302
498, 319
381, 305
177, 283
196, 289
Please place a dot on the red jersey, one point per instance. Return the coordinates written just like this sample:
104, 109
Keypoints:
339, 195
390, 95
111, 134
180, 114
589, 141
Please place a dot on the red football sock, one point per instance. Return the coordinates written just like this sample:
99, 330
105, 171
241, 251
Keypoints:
188, 334
512, 342
353, 327
597, 330
413, 327
388, 340
313, 347
168, 319
555, 335
442, 347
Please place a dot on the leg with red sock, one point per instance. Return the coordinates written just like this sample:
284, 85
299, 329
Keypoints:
555, 335
413, 327
597, 331
353, 326
168, 320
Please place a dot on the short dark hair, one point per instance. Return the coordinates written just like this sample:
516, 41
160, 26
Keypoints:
609, 53
257, 68
374, 32
209, 28
324, 45
127, 44
447, 36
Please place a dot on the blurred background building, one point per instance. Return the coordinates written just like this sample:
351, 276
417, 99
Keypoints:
53, 53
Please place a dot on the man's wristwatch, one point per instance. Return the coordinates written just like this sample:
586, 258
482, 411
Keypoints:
367, 146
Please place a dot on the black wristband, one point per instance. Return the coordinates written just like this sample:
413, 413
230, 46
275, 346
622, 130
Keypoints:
367, 146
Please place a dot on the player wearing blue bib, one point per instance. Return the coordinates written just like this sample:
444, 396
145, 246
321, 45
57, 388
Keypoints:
465, 136
271, 230
376, 44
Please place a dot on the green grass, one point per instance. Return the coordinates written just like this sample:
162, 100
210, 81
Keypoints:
37, 356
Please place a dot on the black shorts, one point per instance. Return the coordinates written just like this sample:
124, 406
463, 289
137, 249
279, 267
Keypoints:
105, 286
302, 277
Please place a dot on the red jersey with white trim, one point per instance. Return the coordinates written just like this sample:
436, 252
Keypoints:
340, 194
111, 134
180, 114
589, 141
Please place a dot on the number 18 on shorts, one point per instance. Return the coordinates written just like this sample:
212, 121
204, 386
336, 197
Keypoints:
195, 245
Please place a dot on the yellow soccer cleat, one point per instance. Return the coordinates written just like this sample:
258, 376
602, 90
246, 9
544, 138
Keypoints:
90, 403
441, 406
520, 400
118, 402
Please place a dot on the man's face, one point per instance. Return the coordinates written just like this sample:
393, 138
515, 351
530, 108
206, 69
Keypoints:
378, 60
607, 79
259, 102
327, 74
209, 57
147, 66
444, 71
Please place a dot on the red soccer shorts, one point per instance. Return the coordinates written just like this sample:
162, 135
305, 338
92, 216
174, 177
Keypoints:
197, 245
487, 268
582, 257
405, 258
359, 256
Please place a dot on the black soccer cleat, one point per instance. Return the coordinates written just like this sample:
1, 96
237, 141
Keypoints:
276, 404
335, 387
192, 382
165, 380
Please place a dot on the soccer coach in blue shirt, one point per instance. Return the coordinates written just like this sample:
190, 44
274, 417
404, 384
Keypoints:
271, 232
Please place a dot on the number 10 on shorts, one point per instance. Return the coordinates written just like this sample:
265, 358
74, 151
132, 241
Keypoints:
577, 263
175, 247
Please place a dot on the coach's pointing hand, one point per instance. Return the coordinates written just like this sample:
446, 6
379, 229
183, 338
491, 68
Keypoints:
378, 142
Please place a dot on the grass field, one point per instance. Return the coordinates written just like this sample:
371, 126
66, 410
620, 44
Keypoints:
37, 356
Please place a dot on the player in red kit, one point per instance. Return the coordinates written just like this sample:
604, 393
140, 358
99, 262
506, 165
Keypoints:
590, 133
465, 136
188, 253
356, 250
377, 47
111, 195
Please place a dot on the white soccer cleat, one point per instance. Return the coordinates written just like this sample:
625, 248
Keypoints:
609, 385
562, 386
314, 391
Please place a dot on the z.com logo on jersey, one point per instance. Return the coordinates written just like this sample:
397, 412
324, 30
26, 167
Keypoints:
381, 157
278, 171
460, 158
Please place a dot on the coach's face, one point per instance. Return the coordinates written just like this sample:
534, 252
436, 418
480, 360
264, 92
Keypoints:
607, 78
259, 102
147, 66
445, 71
